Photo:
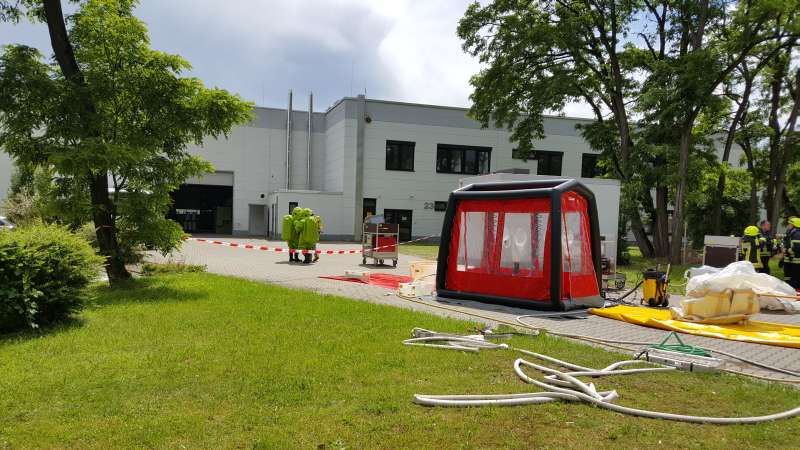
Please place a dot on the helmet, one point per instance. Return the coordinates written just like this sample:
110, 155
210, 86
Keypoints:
795, 221
752, 230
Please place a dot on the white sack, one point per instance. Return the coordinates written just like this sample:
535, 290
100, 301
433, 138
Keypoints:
742, 275
702, 270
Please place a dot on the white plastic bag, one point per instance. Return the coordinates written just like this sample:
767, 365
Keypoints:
742, 275
702, 270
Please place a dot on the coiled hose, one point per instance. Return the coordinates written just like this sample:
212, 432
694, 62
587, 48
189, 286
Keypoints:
561, 386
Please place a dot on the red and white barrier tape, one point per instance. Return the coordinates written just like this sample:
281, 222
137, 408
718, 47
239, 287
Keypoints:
294, 250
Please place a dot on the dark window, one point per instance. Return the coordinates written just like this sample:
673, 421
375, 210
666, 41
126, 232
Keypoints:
440, 206
292, 206
400, 155
463, 159
370, 207
589, 165
549, 163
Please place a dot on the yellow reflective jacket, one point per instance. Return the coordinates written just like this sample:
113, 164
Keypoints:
752, 246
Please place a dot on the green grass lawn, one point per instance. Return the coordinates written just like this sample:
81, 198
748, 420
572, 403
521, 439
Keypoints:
203, 361
421, 250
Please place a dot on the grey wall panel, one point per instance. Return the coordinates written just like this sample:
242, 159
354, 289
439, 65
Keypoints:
343, 109
443, 116
275, 119
394, 112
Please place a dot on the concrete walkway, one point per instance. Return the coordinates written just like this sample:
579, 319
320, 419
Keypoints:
275, 268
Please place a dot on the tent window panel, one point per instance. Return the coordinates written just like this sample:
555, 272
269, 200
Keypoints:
572, 243
517, 252
540, 235
473, 237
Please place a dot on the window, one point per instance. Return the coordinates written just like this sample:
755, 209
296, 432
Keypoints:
549, 163
400, 155
463, 159
292, 206
589, 165
440, 206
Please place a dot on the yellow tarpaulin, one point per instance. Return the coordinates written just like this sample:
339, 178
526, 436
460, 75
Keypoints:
751, 331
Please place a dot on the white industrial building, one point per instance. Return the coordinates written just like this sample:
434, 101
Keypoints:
397, 159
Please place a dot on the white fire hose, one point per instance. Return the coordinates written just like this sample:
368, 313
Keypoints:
558, 385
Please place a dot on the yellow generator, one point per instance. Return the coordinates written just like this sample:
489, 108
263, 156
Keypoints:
654, 287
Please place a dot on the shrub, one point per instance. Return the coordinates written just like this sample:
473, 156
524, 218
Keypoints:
150, 268
44, 273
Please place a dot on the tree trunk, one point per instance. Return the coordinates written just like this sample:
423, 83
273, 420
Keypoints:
680, 193
754, 201
716, 205
751, 167
661, 228
716, 216
785, 150
102, 207
106, 229
775, 181
642, 241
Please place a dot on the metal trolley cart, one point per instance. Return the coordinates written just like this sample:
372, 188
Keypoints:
381, 235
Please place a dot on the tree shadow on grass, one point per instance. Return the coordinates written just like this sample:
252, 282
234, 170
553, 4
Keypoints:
14, 337
135, 291
144, 290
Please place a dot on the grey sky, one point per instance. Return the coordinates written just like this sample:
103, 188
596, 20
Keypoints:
403, 50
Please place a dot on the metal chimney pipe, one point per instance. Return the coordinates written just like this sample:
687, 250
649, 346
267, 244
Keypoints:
289, 141
310, 136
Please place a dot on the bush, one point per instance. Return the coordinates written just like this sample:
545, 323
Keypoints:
44, 273
150, 268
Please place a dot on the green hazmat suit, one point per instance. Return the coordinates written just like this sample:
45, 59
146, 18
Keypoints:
289, 232
301, 231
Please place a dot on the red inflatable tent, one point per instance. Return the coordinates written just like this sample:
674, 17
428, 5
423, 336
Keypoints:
497, 245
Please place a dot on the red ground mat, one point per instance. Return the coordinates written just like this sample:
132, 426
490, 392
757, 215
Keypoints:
377, 279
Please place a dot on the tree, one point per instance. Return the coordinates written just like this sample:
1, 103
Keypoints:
541, 55
739, 90
113, 119
782, 83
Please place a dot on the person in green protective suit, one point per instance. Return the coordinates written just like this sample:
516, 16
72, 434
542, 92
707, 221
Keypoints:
318, 220
290, 234
301, 233
309, 234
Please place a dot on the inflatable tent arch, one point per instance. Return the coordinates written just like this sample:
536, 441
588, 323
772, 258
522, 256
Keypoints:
496, 245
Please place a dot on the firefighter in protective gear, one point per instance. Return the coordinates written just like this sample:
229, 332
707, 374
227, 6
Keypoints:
771, 244
791, 252
753, 246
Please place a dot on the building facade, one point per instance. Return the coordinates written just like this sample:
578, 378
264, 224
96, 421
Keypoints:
361, 156
366, 156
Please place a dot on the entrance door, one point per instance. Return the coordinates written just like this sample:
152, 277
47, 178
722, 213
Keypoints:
258, 220
401, 217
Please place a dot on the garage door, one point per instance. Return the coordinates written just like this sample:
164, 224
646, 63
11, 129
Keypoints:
206, 205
